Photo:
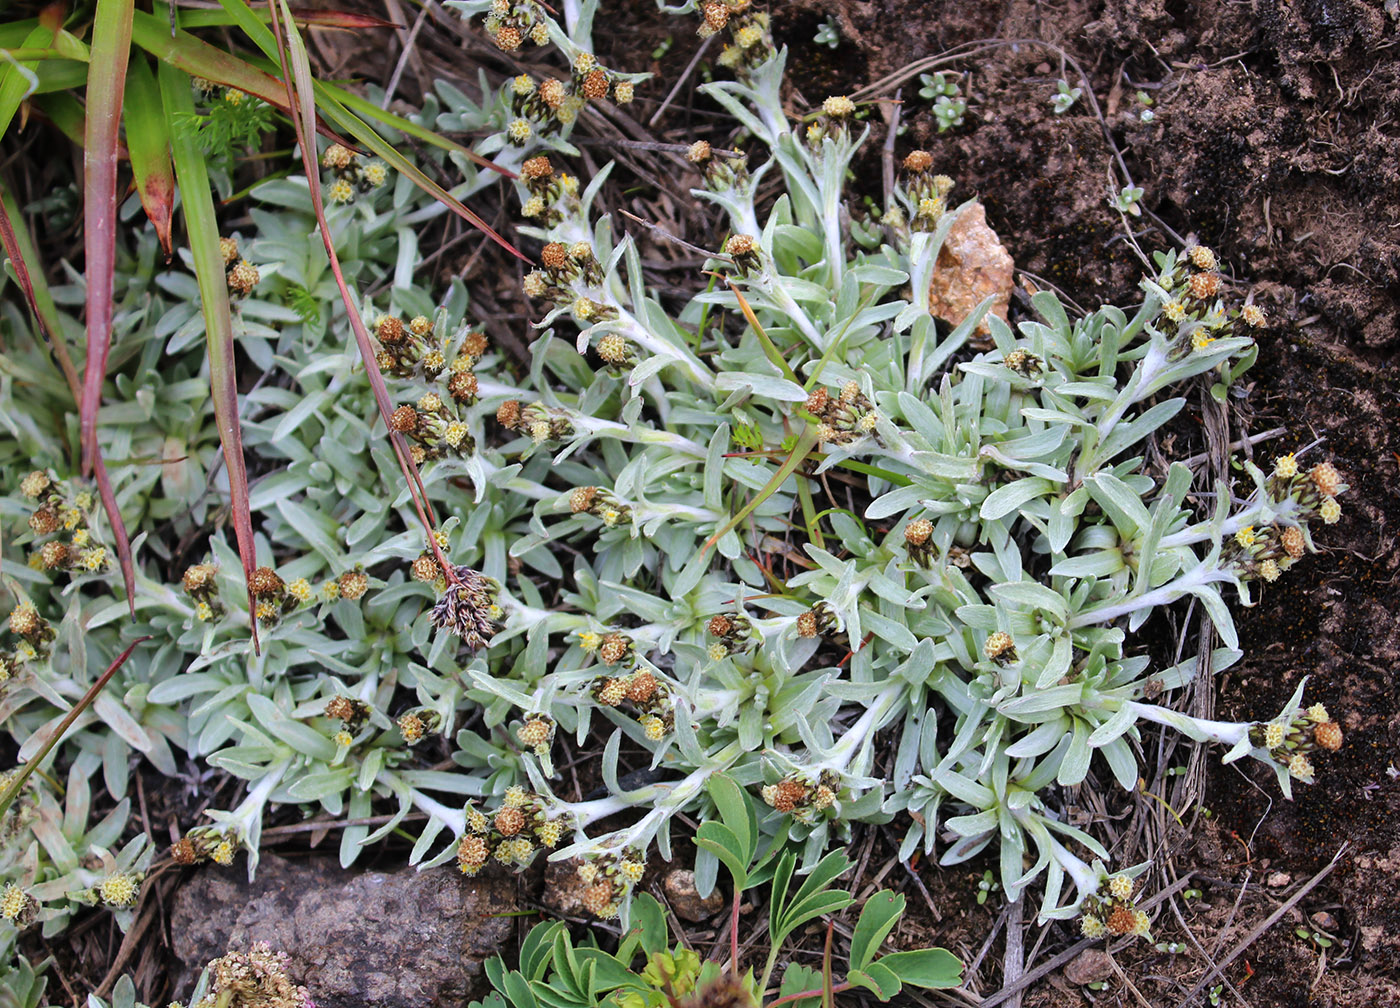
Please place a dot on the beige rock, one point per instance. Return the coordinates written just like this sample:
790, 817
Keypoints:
972, 264
1090, 966
686, 900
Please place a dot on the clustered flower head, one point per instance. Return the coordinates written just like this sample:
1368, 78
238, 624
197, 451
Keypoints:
351, 176
518, 828
17, 907
351, 712
1267, 552
926, 192
242, 276
837, 113
434, 426
538, 421
803, 799
467, 607
1194, 310
253, 979
724, 171
200, 582
549, 105
272, 598
648, 696
206, 843
62, 528
601, 504
844, 417
733, 634
536, 733
1113, 912
1289, 741
415, 724
609, 878
751, 39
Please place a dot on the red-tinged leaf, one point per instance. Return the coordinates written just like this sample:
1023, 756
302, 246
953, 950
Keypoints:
202, 232
296, 71
199, 59
148, 146
7, 796
312, 17
308, 16
111, 37
20, 251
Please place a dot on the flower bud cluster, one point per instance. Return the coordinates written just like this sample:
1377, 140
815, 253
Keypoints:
118, 891
467, 607
549, 105
206, 843
352, 713
257, 977
927, 192
513, 22
1290, 742
1113, 912
818, 621
1194, 313
805, 800
601, 504
537, 420
200, 582
434, 427
415, 724
512, 834
241, 275
17, 907
609, 879
408, 351
350, 176
648, 696
1265, 553
61, 524
844, 417
733, 634
723, 171
273, 598
918, 541
834, 120
551, 194
536, 732
750, 34
34, 637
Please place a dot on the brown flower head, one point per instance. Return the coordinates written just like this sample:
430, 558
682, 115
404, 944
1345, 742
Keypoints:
918, 161
510, 821
403, 419
918, 531
508, 414
537, 168
264, 583
353, 584
595, 85
641, 687
390, 330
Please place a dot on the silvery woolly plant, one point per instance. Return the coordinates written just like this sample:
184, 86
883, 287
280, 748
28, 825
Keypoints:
646, 554
972, 615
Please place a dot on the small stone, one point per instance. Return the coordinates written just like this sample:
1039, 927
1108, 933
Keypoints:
972, 265
1090, 966
1324, 921
686, 900
1277, 879
404, 939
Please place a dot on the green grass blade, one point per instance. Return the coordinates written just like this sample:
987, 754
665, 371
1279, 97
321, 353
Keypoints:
366, 109
202, 232
111, 35
148, 146
15, 84
199, 59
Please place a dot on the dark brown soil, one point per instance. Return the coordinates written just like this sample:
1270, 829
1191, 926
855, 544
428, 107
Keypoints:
1274, 139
